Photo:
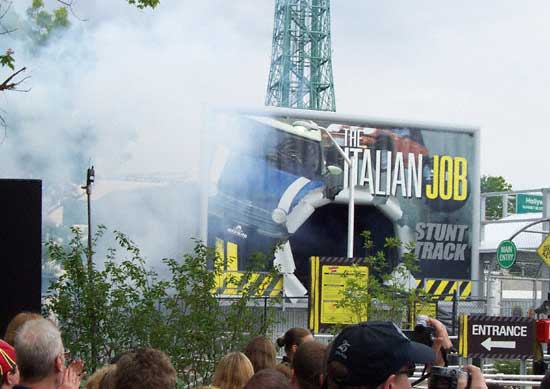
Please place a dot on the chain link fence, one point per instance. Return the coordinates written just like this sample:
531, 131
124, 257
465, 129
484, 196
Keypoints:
276, 315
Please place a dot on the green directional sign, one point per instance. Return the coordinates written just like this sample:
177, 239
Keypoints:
528, 203
506, 254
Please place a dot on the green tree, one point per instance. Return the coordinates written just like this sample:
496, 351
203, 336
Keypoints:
386, 294
493, 205
44, 23
126, 305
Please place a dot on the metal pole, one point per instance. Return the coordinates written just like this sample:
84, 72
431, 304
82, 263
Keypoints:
89, 256
351, 181
475, 240
534, 293
264, 324
90, 178
351, 208
523, 367
505, 205
455, 310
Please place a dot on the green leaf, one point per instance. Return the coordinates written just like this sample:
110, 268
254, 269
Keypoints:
7, 59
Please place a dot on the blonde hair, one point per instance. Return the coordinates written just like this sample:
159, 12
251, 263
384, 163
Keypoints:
233, 371
94, 382
16, 323
261, 353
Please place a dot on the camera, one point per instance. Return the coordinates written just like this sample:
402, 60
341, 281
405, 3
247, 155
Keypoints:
423, 332
448, 378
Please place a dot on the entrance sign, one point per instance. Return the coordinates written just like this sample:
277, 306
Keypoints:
496, 337
528, 203
506, 254
544, 251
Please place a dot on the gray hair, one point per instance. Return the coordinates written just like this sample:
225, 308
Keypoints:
37, 344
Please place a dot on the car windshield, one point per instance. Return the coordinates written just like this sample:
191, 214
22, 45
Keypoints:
282, 150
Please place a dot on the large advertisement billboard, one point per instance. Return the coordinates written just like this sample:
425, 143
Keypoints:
276, 177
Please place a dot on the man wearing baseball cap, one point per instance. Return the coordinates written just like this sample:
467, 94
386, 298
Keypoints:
8, 368
377, 354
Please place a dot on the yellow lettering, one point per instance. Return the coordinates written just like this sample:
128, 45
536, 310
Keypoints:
232, 257
432, 189
445, 178
460, 182
220, 257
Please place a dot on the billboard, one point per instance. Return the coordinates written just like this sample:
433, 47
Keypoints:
276, 177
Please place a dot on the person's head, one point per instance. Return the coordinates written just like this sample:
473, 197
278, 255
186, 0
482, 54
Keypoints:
293, 338
233, 371
285, 369
261, 353
39, 348
95, 381
374, 354
108, 380
308, 365
143, 369
268, 379
9, 374
17, 321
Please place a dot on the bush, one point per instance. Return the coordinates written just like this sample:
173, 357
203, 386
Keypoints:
384, 295
102, 313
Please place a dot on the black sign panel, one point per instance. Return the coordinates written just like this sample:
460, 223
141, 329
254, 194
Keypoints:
497, 337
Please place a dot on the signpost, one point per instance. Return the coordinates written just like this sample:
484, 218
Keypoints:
528, 203
496, 337
544, 250
506, 254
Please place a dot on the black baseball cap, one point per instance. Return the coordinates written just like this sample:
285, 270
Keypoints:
374, 350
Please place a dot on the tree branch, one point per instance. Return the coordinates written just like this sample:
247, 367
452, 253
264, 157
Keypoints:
9, 85
69, 5
2, 14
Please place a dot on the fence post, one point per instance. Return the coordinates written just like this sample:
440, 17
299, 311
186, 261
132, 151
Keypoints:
455, 309
264, 325
535, 293
523, 366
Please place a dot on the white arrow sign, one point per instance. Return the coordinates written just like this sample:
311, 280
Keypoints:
489, 343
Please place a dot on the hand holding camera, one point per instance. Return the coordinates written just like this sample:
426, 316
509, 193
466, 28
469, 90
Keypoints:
434, 334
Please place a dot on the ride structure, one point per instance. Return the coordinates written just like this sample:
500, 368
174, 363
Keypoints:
301, 66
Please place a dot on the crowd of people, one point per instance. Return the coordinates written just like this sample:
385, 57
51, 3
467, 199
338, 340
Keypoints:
366, 355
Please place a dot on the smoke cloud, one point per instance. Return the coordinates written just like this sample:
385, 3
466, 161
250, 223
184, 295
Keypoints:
126, 90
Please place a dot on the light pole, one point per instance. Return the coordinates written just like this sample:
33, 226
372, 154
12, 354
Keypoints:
352, 176
90, 178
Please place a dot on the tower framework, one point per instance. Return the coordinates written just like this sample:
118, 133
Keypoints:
301, 67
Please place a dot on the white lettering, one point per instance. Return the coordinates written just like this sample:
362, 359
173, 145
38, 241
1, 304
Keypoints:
496, 330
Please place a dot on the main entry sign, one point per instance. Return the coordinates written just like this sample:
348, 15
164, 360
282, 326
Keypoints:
496, 337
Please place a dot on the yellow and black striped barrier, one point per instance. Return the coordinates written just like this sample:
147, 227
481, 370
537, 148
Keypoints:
443, 290
232, 282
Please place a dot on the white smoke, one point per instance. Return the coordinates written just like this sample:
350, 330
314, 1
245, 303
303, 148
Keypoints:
126, 90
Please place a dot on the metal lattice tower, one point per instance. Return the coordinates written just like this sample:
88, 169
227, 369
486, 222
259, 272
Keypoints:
301, 67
